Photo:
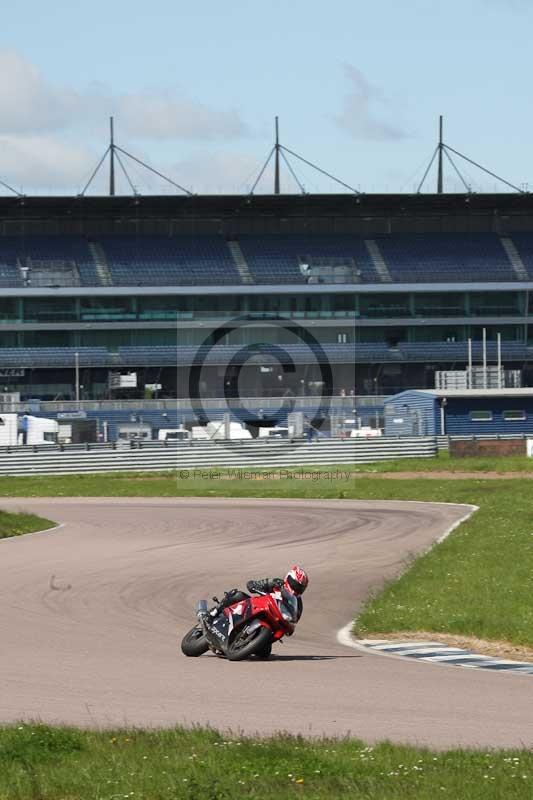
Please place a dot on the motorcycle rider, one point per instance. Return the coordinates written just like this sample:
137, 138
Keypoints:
295, 582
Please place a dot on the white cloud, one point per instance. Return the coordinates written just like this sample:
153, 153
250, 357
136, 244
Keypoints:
363, 108
169, 115
30, 104
217, 171
48, 162
228, 172
27, 102
43, 161
46, 130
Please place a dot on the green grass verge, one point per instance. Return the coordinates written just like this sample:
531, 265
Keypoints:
334, 482
52, 763
477, 583
445, 462
321, 482
17, 524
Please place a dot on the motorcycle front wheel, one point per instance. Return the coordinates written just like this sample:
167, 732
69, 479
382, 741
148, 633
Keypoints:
194, 642
244, 644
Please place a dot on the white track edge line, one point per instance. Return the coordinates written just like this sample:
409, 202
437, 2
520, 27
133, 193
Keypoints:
345, 635
33, 533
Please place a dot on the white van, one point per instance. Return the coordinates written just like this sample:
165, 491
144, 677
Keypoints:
8, 430
217, 431
173, 435
42, 431
276, 432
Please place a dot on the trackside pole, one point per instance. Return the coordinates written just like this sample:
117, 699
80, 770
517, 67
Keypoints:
469, 363
484, 358
77, 376
500, 376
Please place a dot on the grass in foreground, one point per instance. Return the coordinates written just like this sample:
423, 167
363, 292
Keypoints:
52, 763
17, 524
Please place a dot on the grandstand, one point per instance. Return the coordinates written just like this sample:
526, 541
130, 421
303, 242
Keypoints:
390, 288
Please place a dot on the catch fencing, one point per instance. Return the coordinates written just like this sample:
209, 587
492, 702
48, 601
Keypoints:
152, 456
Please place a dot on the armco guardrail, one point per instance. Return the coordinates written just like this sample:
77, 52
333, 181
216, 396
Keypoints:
224, 454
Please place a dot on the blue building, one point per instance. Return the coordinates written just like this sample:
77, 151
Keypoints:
456, 412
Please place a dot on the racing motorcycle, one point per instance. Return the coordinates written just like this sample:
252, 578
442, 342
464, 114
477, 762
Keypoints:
241, 625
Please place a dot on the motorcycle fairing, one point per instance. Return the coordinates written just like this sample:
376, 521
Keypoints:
253, 611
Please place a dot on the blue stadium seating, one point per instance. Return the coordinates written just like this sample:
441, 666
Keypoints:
169, 260
271, 259
27, 357
275, 259
162, 355
45, 248
455, 351
445, 258
221, 354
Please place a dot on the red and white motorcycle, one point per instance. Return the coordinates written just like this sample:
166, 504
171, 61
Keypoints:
241, 625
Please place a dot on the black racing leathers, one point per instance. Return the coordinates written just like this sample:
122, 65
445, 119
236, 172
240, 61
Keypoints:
264, 585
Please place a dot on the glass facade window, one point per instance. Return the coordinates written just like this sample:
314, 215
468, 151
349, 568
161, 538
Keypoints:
164, 308
384, 306
9, 339
343, 305
50, 309
497, 304
481, 415
48, 339
439, 305
217, 306
269, 305
391, 336
437, 333
9, 309
112, 309
514, 416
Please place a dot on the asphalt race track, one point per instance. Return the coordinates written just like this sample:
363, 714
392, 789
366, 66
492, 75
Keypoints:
91, 616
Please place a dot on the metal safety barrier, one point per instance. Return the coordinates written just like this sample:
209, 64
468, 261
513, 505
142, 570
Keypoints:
224, 454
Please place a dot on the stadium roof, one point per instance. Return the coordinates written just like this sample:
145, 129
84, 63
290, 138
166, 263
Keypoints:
278, 206
481, 393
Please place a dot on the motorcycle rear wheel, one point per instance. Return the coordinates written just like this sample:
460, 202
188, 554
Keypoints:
194, 642
246, 644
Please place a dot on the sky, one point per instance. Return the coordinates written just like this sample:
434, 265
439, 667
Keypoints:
194, 89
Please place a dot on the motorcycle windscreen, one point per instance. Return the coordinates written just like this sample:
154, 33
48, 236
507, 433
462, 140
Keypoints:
288, 605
